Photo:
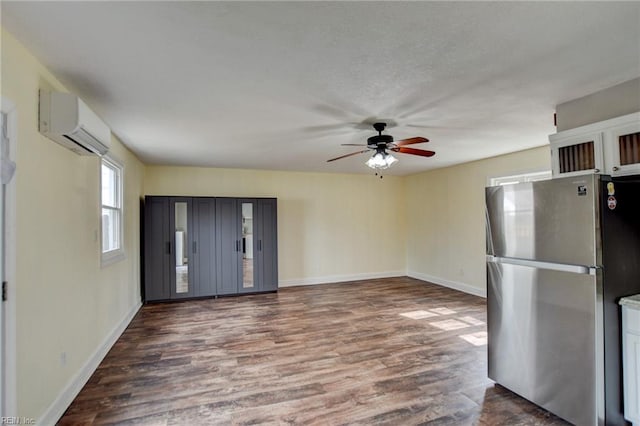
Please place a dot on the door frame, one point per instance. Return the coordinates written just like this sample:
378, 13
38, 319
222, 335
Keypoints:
8, 382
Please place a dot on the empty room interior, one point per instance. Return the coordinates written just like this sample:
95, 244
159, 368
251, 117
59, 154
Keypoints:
275, 212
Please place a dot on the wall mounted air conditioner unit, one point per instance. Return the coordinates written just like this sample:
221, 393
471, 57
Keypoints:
65, 119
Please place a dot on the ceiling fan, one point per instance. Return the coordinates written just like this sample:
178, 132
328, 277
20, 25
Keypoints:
381, 159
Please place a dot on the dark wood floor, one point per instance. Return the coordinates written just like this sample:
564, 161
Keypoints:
328, 354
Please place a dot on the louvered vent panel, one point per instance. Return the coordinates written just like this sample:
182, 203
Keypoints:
629, 149
574, 158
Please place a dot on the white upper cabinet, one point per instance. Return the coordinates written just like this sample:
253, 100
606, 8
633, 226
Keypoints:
624, 148
609, 147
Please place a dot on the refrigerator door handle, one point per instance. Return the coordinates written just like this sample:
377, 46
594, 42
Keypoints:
576, 269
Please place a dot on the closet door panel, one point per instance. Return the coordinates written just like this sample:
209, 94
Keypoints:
227, 245
268, 245
204, 246
157, 250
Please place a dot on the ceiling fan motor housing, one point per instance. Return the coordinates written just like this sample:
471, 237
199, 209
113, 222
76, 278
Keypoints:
374, 141
379, 127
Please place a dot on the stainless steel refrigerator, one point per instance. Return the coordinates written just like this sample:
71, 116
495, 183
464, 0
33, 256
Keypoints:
560, 253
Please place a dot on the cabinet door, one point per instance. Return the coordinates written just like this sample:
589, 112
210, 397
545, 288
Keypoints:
248, 272
204, 246
228, 250
157, 249
267, 245
625, 149
577, 155
181, 224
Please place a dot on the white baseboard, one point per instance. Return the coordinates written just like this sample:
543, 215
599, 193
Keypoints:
466, 288
77, 382
328, 279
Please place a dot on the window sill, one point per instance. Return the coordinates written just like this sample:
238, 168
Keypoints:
111, 257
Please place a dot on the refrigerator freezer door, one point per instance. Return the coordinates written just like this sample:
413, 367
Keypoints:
550, 221
543, 341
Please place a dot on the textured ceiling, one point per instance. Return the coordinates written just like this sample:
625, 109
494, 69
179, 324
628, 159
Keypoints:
280, 85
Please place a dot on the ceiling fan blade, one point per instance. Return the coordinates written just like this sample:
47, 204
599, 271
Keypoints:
414, 151
348, 155
410, 141
353, 144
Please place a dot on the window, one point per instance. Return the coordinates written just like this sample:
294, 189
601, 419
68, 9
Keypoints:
111, 214
525, 177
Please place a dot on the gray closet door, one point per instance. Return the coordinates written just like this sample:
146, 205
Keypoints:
204, 246
181, 236
157, 249
267, 245
228, 249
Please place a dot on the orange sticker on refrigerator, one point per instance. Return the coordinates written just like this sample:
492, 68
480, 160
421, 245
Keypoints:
612, 202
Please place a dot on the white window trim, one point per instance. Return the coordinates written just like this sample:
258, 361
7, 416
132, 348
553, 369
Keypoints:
523, 177
110, 257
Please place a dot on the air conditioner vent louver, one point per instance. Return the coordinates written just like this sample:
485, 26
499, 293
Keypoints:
65, 119
78, 146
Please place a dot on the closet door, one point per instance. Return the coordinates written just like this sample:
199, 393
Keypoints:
267, 245
204, 246
228, 251
181, 242
157, 249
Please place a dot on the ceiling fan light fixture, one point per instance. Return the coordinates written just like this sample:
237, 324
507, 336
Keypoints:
377, 161
381, 160
391, 160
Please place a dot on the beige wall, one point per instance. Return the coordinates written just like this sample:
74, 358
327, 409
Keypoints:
65, 302
445, 218
331, 227
621, 99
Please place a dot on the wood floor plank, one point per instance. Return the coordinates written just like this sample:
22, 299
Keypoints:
331, 354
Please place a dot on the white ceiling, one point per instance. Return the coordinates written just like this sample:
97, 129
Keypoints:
280, 85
